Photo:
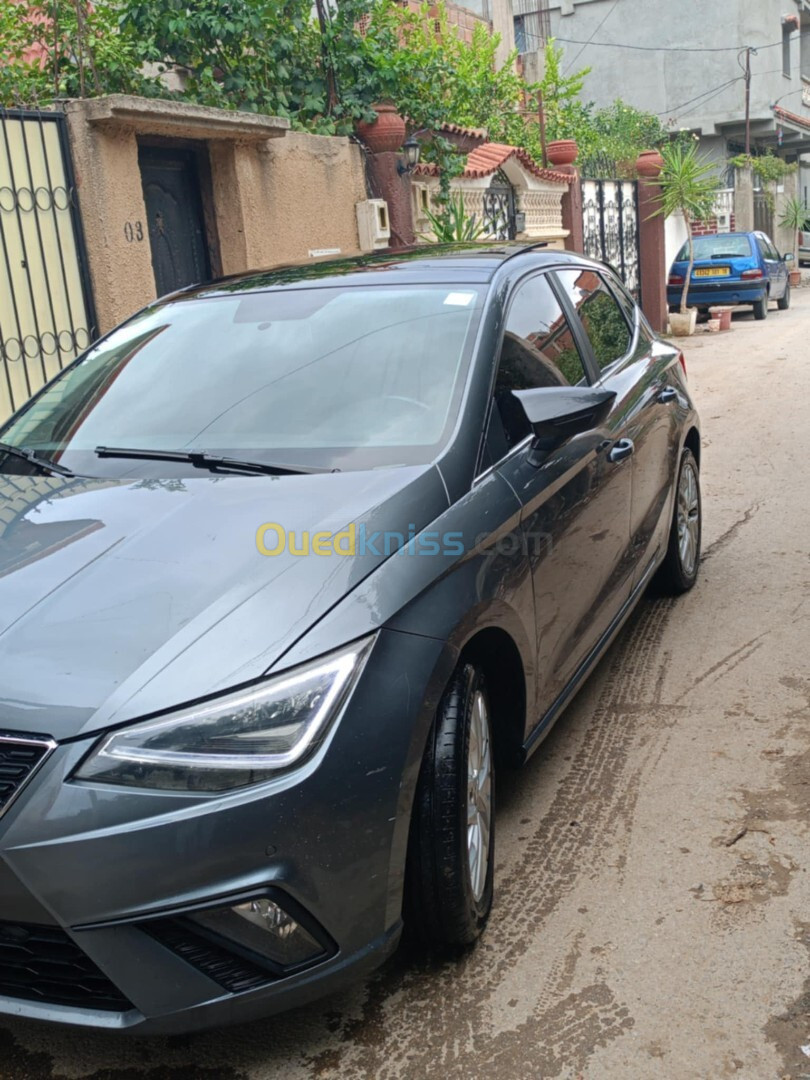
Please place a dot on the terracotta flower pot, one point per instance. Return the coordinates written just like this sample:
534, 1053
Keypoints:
386, 133
649, 164
795, 277
562, 152
723, 316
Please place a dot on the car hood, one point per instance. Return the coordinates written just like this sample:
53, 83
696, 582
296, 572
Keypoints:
119, 599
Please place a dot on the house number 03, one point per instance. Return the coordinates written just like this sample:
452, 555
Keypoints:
133, 230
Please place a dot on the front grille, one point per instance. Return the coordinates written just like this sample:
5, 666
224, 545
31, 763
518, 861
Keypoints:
231, 972
41, 963
20, 757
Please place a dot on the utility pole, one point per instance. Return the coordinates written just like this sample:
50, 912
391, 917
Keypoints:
542, 115
748, 101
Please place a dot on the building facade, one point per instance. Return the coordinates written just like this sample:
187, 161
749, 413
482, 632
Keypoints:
686, 62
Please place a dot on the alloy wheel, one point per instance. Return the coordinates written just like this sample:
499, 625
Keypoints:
479, 795
688, 518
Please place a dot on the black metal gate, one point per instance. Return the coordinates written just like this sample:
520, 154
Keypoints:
763, 213
46, 306
610, 217
499, 209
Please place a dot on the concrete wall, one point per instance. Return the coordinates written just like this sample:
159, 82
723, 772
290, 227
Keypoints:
675, 233
663, 82
275, 195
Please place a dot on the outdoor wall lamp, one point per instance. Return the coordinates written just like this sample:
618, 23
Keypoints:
412, 151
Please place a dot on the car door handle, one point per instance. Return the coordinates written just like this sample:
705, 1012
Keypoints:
621, 450
669, 393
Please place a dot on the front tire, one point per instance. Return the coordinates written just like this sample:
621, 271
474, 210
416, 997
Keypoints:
784, 303
448, 894
761, 308
679, 569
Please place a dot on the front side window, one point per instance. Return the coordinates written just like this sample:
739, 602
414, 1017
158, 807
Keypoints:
538, 351
604, 321
333, 377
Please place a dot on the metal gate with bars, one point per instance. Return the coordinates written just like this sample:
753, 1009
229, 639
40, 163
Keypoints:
763, 213
499, 209
46, 308
610, 218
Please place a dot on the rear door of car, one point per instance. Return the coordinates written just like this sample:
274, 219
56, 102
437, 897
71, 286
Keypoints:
775, 267
641, 372
576, 503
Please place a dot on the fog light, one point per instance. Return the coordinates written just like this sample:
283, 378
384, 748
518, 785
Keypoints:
265, 928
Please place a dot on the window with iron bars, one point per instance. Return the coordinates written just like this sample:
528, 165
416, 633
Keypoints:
532, 24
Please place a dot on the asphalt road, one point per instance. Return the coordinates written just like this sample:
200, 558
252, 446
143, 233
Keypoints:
652, 914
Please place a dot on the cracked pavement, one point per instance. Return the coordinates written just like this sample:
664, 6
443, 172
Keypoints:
652, 913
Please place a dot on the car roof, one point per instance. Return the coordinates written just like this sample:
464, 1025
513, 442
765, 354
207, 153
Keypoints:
710, 236
438, 263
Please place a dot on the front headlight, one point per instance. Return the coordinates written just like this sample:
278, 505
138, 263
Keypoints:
234, 741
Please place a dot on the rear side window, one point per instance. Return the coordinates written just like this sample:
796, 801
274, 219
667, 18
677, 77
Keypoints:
767, 248
538, 351
604, 321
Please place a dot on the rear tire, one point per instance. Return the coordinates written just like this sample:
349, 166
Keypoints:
679, 570
448, 892
761, 309
784, 303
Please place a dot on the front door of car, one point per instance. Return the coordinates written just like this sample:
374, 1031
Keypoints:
639, 370
576, 501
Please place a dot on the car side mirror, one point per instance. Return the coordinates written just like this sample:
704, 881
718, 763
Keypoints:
788, 257
558, 413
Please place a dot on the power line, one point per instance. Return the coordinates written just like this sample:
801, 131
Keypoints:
590, 39
712, 90
657, 48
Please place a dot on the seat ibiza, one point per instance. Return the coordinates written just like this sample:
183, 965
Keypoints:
291, 566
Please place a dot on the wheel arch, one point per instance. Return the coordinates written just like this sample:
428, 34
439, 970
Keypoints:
692, 442
494, 651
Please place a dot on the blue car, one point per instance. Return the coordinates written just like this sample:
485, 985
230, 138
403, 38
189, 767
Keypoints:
732, 268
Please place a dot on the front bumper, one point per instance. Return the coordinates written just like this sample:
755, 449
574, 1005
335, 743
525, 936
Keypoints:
96, 864
709, 293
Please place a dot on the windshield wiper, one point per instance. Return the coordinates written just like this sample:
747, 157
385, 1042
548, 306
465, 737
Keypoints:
202, 460
34, 459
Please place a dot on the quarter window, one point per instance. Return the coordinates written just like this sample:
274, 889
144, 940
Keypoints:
602, 318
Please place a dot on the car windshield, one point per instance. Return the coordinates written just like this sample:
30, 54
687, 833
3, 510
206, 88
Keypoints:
338, 378
729, 246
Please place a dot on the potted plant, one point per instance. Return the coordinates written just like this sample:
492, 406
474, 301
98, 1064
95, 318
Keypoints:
688, 185
649, 164
562, 152
794, 217
386, 132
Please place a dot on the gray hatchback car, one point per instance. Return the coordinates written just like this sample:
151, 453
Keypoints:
291, 565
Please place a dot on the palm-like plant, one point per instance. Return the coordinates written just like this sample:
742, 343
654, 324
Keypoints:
795, 216
453, 223
688, 184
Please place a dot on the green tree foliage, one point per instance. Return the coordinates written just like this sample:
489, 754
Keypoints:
66, 48
610, 138
271, 56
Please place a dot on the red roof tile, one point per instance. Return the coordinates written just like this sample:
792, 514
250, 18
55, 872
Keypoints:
487, 159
